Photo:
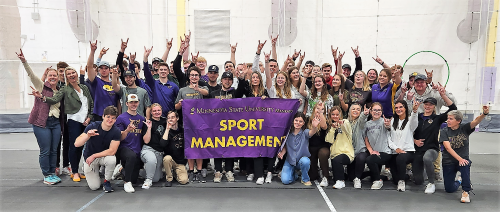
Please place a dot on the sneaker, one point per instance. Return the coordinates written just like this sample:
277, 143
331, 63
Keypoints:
269, 177
200, 178
465, 197
218, 177
387, 173
260, 180
438, 177
147, 184
204, 173
279, 174
56, 178
196, 177
308, 183
401, 185
377, 184
116, 171
128, 187
357, 183
209, 166
324, 182
58, 171
430, 188
168, 184
339, 184
230, 176
49, 180
106, 186
191, 176
410, 174
66, 170
250, 177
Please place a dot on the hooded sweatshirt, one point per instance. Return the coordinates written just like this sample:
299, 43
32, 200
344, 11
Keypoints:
429, 92
378, 136
342, 142
358, 140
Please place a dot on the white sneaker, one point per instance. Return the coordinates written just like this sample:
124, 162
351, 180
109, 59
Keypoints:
357, 183
66, 170
324, 182
218, 177
339, 184
230, 176
269, 177
128, 187
377, 184
387, 173
250, 177
147, 184
260, 180
116, 172
430, 188
401, 185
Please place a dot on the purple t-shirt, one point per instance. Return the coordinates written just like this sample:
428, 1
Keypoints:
104, 95
133, 140
385, 97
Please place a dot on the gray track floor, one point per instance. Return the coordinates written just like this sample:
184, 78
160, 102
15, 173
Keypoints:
22, 189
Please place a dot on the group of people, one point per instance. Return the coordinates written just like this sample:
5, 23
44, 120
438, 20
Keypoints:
122, 124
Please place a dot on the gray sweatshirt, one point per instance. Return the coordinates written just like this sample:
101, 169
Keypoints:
358, 140
429, 92
378, 136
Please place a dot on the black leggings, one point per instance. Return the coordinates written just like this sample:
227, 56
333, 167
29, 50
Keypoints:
398, 165
375, 163
130, 162
338, 163
257, 165
357, 167
322, 154
65, 147
229, 164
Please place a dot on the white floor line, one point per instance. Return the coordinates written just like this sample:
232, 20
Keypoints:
90, 203
325, 197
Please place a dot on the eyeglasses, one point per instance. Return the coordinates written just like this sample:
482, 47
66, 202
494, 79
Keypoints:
194, 75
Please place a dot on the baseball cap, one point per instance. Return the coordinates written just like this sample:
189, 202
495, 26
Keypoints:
420, 76
213, 68
129, 73
414, 74
104, 63
227, 74
132, 98
431, 100
346, 66
157, 59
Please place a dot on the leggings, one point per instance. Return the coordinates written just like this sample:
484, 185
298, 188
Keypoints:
130, 162
229, 164
398, 165
258, 165
338, 163
322, 154
75, 153
375, 163
420, 160
65, 147
357, 167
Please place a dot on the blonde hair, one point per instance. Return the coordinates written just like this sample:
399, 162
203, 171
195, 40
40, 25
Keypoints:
366, 84
287, 91
309, 122
201, 59
329, 119
66, 77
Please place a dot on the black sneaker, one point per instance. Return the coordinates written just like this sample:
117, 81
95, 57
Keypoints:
197, 176
168, 184
191, 176
200, 178
106, 186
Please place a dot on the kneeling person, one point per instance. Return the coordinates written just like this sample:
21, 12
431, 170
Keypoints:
174, 151
102, 139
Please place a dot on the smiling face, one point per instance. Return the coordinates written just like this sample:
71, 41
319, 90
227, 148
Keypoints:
132, 106
355, 111
202, 65
104, 71
383, 78
60, 73
280, 79
155, 64
108, 120
71, 76
295, 75
273, 66
226, 83
298, 123
255, 79
372, 75
163, 71
316, 70
229, 67
194, 77
327, 71
318, 83
411, 81
212, 76
400, 109
156, 112
359, 77
52, 77
346, 71
172, 118
130, 80
429, 107
420, 85
336, 82
376, 112
335, 115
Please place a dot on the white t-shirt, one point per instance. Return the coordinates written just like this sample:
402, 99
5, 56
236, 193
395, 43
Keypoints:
81, 115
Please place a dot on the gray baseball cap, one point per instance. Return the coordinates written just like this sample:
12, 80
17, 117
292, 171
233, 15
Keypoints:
104, 63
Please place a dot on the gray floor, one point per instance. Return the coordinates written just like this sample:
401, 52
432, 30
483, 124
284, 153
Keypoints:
21, 189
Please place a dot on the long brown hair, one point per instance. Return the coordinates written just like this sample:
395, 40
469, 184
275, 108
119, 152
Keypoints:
329, 120
260, 91
286, 88
290, 70
342, 85
313, 114
324, 89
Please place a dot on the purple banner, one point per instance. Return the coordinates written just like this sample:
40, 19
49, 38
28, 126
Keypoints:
229, 128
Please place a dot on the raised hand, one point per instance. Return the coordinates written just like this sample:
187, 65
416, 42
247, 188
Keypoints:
378, 60
103, 51
130, 127
341, 55
132, 57
93, 46
486, 110
334, 52
355, 51
188, 37
146, 53
387, 122
233, 48
169, 43
169, 125
302, 56
416, 104
441, 89
260, 46
123, 45
194, 58
296, 54
341, 96
35, 93
366, 111
148, 123
315, 121
410, 95
92, 132
82, 71
396, 71
21, 56
47, 71
429, 73
183, 47
267, 56
274, 40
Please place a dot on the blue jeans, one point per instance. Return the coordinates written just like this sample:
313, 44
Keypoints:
288, 174
48, 141
449, 174
75, 129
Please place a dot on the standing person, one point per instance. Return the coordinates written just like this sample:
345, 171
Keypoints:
426, 140
296, 147
213, 75
401, 142
361, 92
174, 151
319, 148
295, 81
455, 139
152, 150
422, 91
164, 91
45, 121
358, 119
384, 91
377, 143
78, 105
341, 151
156, 62
101, 140
339, 94
64, 143
372, 76
104, 95
133, 130
144, 108
318, 92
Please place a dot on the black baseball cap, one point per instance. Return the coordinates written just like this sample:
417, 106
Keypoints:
157, 59
227, 74
414, 74
213, 68
431, 100
129, 73
346, 66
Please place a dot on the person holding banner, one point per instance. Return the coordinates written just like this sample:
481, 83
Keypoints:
296, 145
341, 151
319, 149
294, 81
358, 121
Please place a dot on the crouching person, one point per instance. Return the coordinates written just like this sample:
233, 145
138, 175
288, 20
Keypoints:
174, 151
101, 140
